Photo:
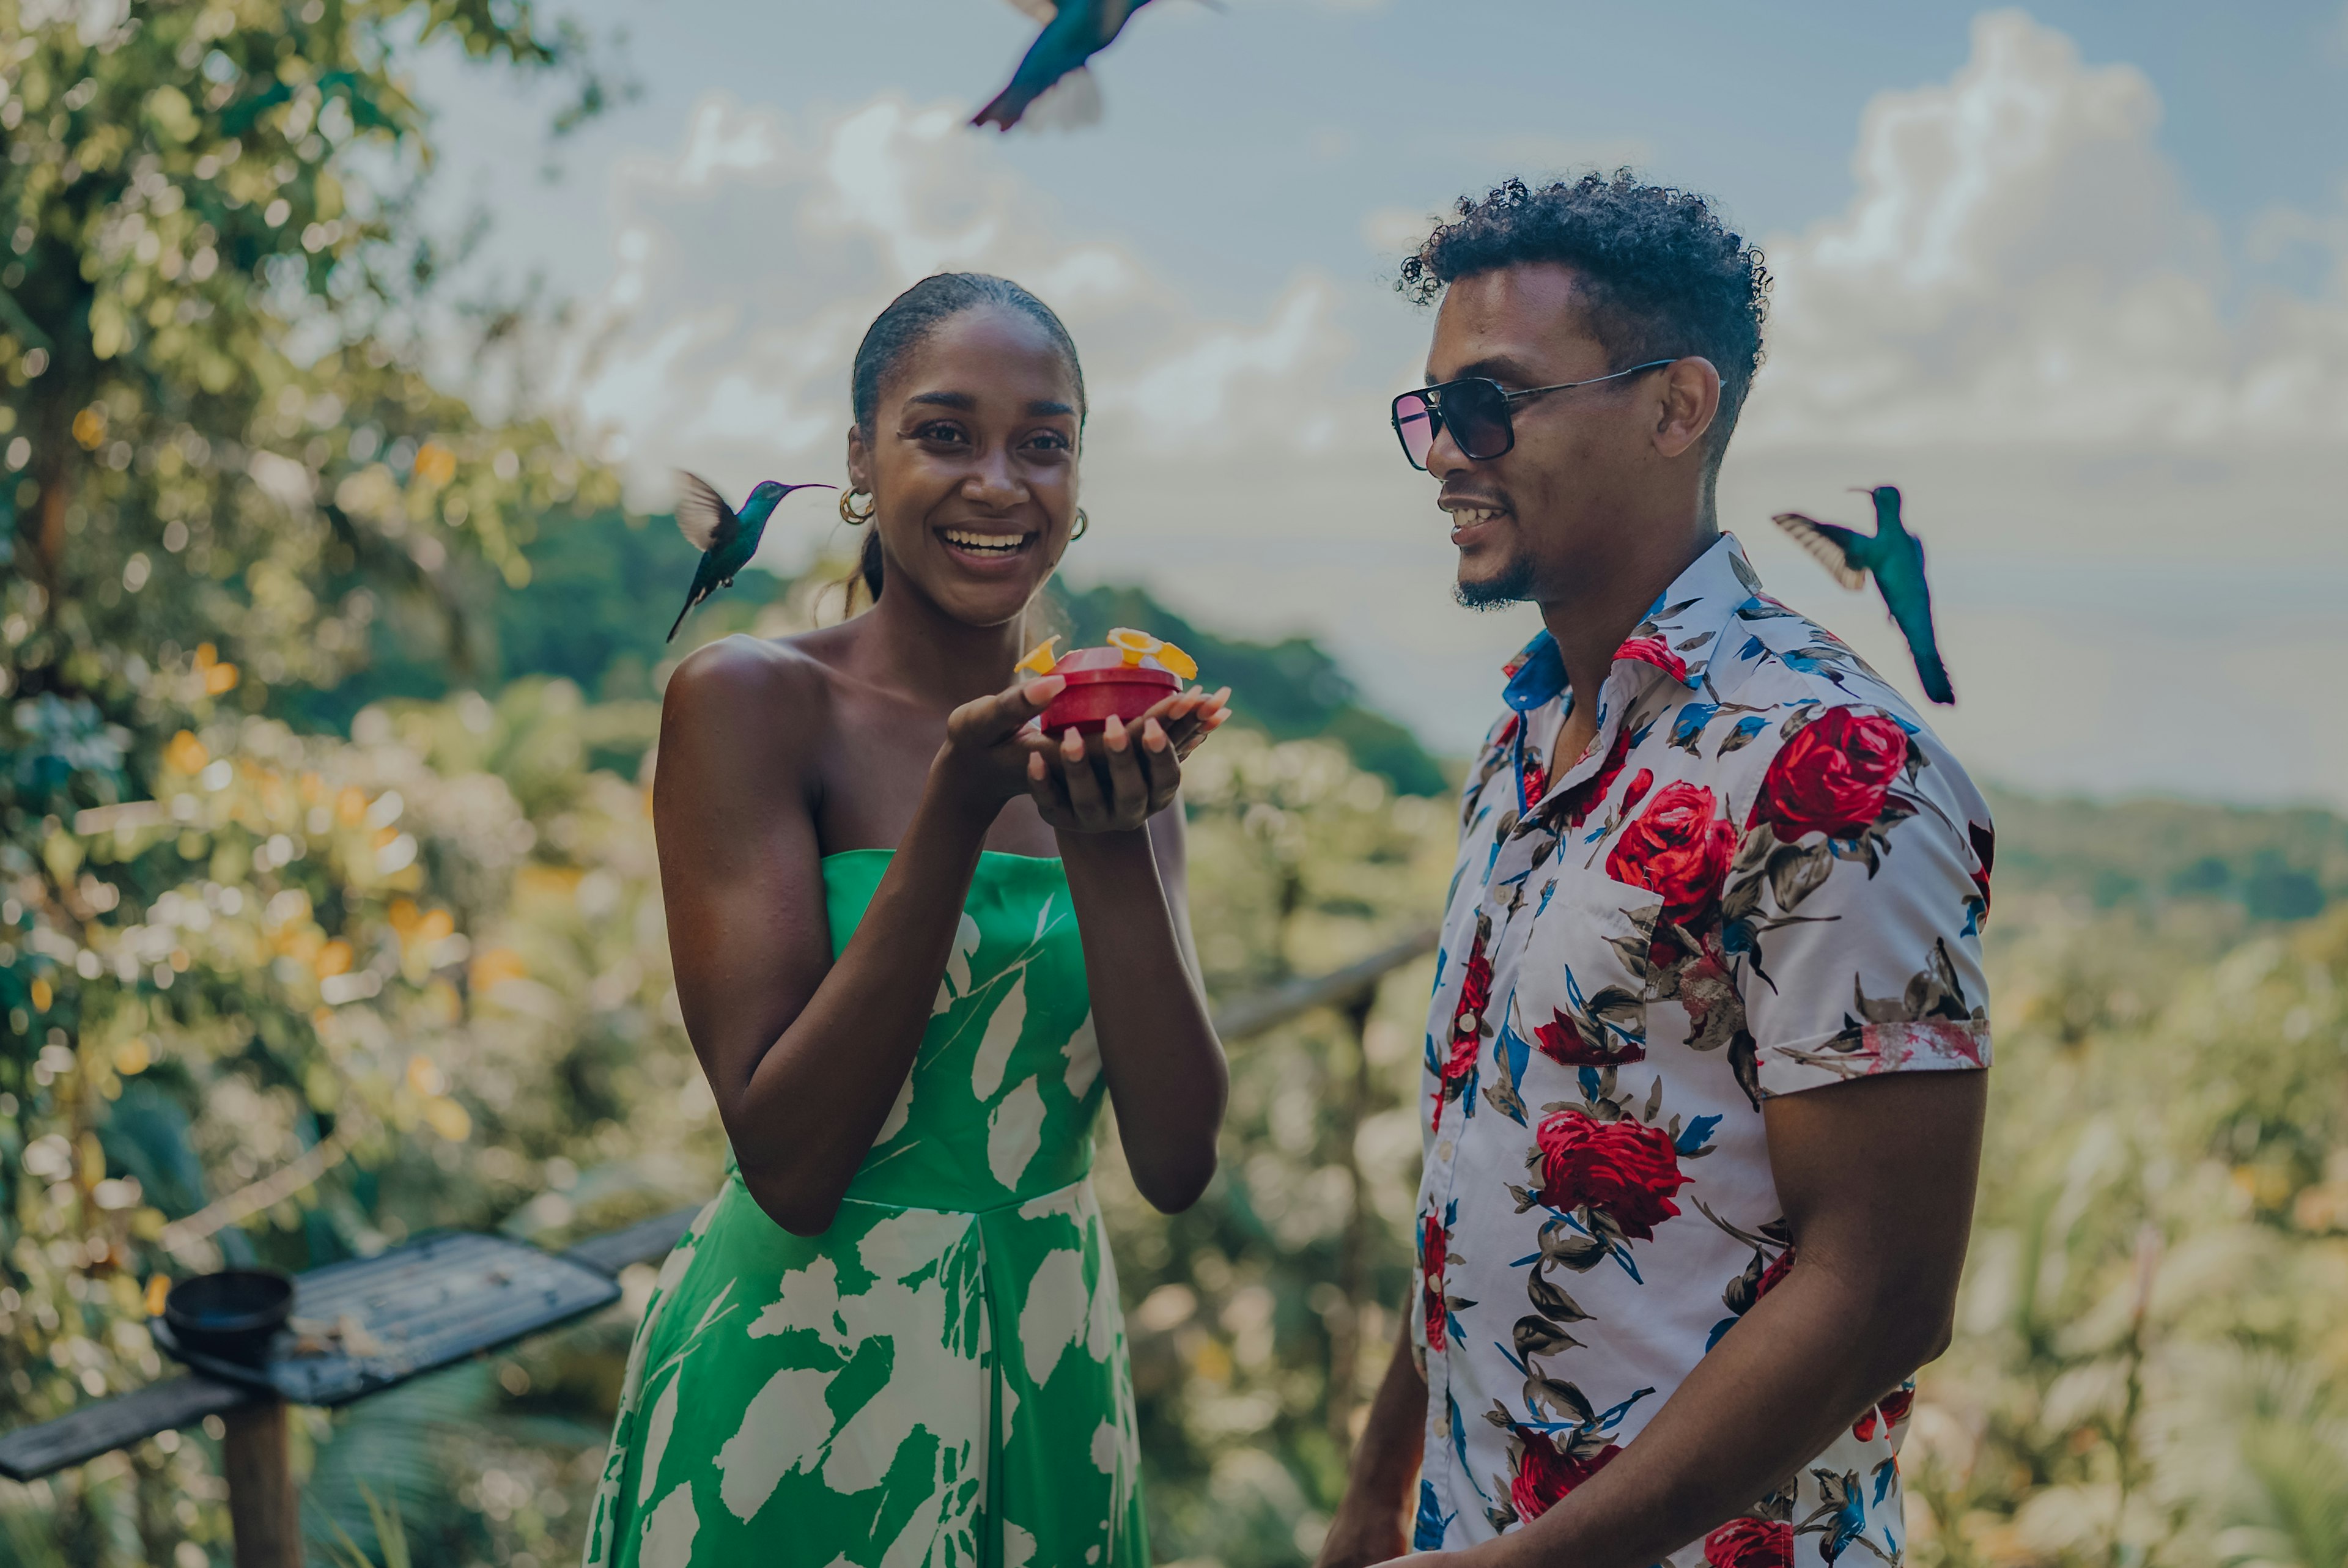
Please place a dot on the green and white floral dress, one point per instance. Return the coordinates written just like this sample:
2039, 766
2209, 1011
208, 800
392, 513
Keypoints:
940, 1377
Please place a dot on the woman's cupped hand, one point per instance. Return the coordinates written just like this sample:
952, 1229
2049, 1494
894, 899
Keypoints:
1119, 778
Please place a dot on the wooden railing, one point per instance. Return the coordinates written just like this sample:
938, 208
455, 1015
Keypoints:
261, 1491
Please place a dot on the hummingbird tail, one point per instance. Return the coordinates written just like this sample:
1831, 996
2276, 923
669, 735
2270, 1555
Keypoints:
1935, 676
690, 601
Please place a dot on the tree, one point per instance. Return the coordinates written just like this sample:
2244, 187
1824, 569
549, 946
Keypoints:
219, 460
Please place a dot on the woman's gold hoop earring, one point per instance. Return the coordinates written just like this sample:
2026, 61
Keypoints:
850, 514
1083, 522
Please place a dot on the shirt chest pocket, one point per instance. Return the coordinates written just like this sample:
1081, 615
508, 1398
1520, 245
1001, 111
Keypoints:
1585, 982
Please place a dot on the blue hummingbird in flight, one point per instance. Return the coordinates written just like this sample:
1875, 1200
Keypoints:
1896, 557
1074, 32
727, 538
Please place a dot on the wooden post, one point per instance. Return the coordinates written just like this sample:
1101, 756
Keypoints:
262, 1505
1353, 1247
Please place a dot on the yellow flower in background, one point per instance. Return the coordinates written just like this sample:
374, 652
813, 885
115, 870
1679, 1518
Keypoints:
448, 1119
333, 959
133, 1057
350, 807
220, 676
42, 996
89, 427
186, 754
435, 464
495, 966
426, 1078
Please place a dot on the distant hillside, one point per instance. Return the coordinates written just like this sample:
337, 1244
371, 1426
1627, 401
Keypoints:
602, 592
2276, 864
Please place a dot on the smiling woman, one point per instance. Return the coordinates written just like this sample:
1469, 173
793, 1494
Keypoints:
896, 907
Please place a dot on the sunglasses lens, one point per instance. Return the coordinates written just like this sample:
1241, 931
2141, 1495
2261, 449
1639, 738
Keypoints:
1478, 417
1415, 422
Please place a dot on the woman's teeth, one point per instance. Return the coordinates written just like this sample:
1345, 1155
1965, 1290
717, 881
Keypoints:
987, 544
1469, 516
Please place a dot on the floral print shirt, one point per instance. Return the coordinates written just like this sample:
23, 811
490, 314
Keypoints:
1765, 876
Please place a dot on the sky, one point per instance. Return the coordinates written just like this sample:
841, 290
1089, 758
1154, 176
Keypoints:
2076, 277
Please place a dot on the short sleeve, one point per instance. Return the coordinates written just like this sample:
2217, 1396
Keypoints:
1861, 937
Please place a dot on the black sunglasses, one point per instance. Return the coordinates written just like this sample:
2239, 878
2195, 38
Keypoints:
1476, 412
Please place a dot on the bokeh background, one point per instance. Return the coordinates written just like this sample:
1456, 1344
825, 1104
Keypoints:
345, 347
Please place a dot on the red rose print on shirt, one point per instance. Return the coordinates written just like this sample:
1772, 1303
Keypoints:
1431, 1247
1678, 849
1653, 651
1750, 1543
1888, 1413
1832, 776
1626, 1170
1545, 1472
1576, 804
1455, 1064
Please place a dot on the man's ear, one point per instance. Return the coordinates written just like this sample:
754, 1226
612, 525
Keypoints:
860, 461
1689, 402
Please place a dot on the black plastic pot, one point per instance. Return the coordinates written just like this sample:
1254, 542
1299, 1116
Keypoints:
233, 1315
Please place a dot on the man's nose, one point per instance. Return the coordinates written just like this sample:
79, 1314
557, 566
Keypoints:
1444, 458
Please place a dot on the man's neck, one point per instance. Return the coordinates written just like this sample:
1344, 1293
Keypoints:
1591, 624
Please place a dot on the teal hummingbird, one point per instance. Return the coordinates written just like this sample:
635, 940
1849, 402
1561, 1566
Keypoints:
1074, 32
1896, 557
727, 538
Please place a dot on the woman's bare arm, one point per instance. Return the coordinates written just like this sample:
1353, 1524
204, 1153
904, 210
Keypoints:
806, 1055
1117, 809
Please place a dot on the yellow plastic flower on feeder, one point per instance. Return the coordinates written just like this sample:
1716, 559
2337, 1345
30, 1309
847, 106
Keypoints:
1139, 645
1040, 661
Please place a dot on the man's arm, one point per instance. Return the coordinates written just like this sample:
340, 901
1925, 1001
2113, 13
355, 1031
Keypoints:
1877, 1178
1369, 1527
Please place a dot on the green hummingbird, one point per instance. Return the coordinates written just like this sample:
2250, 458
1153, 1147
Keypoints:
1074, 32
1896, 556
725, 539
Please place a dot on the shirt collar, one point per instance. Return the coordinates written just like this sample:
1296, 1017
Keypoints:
1678, 636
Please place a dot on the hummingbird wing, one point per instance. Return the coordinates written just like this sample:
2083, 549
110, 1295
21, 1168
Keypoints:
1836, 548
701, 514
1069, 104
1077, 30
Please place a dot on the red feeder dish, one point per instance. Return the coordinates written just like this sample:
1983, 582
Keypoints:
1100, 682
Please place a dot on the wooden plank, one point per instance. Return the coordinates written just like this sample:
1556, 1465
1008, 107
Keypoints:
1269, 1010
118, 1422
265, 1509
647, 1241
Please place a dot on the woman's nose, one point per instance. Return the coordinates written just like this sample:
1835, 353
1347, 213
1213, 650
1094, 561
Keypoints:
990, 481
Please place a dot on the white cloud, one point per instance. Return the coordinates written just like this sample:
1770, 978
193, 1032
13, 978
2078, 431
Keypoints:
2020, 264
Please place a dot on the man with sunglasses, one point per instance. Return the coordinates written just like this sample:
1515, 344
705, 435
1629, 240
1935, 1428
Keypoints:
1703, 1096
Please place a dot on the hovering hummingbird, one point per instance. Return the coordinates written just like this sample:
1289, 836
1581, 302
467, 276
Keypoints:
1074, 32
725, 539
1896, 556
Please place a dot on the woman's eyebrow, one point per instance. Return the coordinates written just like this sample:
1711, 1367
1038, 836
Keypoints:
1044, 406
962, 400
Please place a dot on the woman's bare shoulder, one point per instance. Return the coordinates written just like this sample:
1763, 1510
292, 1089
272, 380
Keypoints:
775, 694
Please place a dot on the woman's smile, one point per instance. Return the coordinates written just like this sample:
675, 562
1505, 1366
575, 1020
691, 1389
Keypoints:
987, 549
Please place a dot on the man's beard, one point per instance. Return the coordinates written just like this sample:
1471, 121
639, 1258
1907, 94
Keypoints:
1513, 586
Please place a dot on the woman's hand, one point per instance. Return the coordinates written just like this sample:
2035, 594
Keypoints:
985, 751
1124, 776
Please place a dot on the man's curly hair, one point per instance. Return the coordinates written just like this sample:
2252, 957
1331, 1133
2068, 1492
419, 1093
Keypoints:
1662, 276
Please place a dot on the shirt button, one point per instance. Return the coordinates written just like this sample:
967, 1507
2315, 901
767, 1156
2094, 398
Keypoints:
1469, 1023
